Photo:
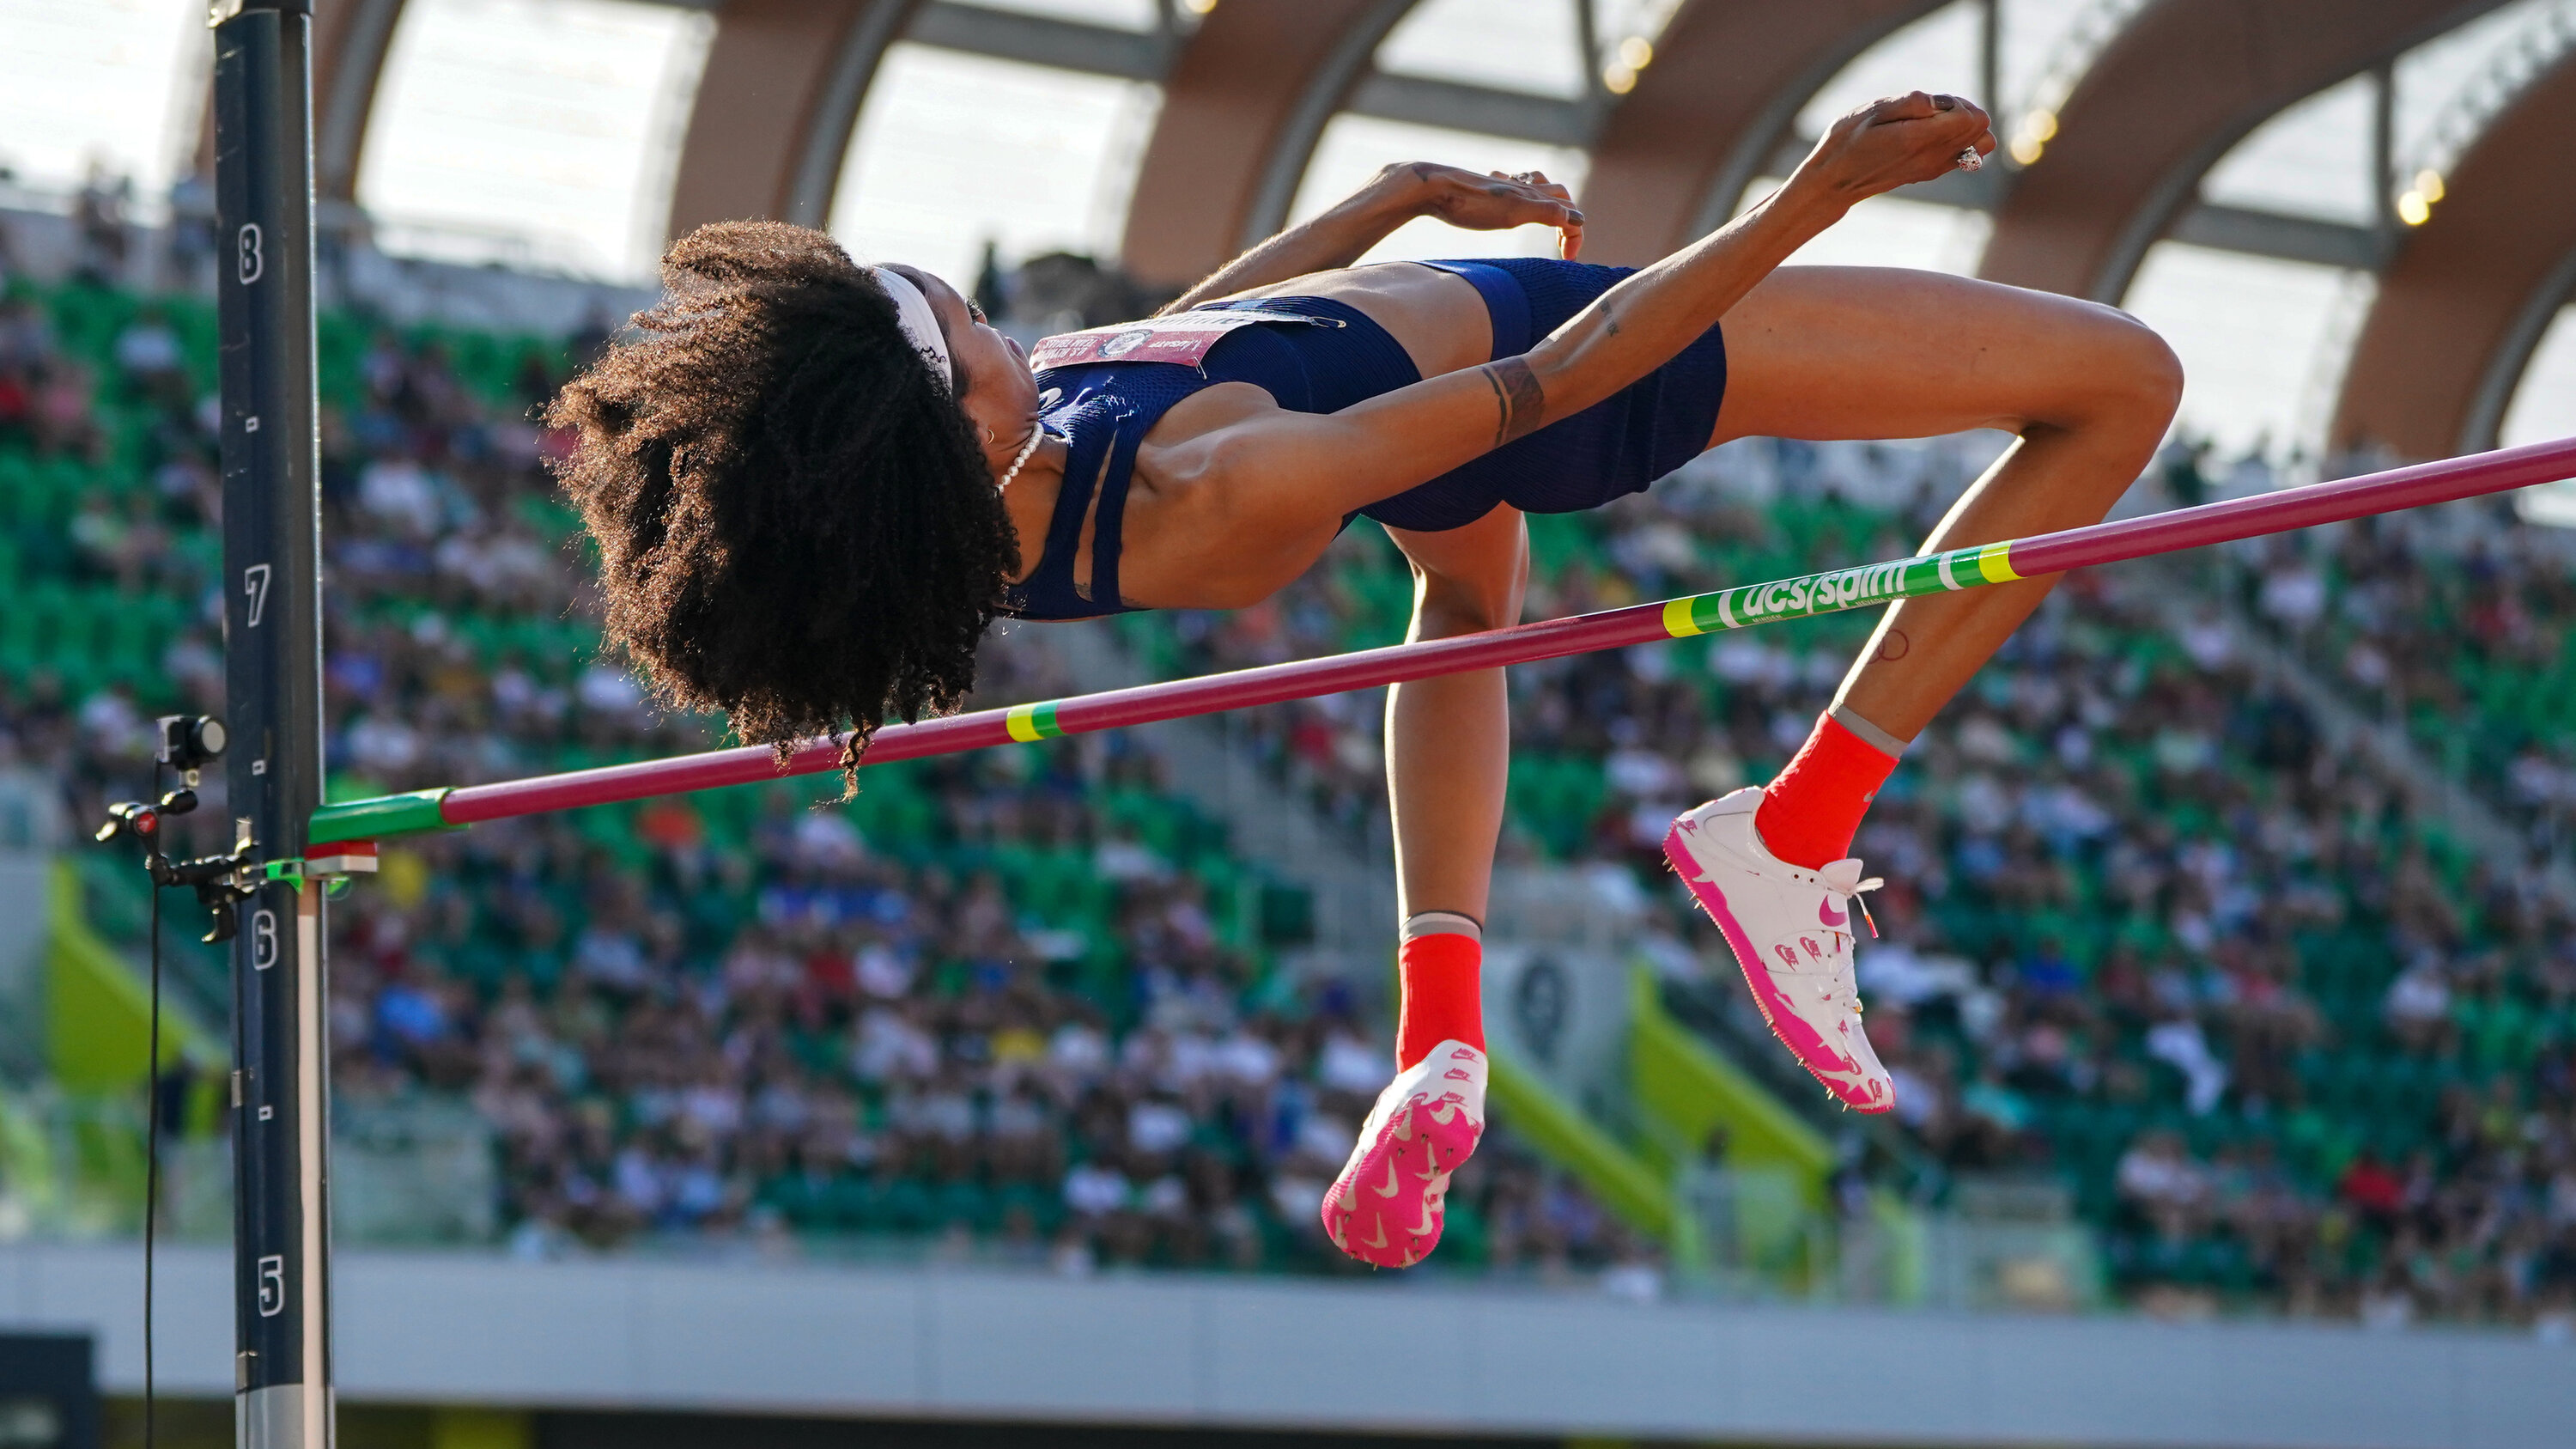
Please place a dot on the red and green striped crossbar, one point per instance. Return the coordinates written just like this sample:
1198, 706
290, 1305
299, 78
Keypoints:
1827, 592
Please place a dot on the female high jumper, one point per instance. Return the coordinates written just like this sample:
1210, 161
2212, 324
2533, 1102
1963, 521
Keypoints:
814, 484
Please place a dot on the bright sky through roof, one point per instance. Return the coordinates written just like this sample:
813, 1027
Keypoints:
548, 120
541, 131
949, 155
116, 82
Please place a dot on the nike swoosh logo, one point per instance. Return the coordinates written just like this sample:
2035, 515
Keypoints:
1826, 913
1380, 1240
1392, 1187
1849, 1076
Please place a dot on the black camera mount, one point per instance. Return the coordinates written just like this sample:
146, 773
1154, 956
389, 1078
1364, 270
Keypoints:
189, 743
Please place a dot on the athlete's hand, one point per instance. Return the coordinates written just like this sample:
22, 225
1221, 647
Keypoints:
1493, 201
1898, 142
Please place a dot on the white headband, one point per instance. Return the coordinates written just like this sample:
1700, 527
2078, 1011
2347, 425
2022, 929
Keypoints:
921, 325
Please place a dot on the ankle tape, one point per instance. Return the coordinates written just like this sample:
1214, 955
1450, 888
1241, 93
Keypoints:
1868, 734
1442, 923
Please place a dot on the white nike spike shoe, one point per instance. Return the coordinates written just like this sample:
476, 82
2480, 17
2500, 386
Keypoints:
1386, 1209
1791, 931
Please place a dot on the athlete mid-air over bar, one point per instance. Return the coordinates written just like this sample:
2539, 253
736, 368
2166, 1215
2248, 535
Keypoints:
814, 485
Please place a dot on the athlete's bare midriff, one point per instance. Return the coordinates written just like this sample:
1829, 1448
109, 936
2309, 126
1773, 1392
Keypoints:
1436, 315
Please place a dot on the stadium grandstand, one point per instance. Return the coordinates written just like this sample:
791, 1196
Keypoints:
2225, 969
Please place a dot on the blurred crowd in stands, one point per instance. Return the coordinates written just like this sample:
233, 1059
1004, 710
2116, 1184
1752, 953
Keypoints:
815, 1033
2290, 1036
2448, 624
735, 1016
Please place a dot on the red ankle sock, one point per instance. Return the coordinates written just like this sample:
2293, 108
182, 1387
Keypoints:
1811, 812
1443, 996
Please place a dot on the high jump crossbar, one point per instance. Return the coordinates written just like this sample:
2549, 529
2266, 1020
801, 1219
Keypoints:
1825, 592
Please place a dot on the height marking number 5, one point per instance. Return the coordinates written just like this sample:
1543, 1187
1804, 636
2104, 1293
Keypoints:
272, 1285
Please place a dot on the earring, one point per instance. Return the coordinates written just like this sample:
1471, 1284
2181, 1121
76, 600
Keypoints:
988, 437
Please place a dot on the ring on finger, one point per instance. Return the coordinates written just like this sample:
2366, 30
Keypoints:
1969, 160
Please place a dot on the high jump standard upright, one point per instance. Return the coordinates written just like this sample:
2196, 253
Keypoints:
272, 598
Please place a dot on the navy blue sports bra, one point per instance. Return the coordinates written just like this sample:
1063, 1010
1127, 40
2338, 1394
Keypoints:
1104, 409
1338, 357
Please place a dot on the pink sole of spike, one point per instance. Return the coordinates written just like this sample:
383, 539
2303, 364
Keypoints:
1387, 1213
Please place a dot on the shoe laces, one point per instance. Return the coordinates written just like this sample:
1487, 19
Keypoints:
1843, 878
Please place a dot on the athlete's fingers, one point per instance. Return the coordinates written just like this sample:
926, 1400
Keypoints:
1552, 213
1911, 106
1497, 202
1946, 123
1971, 110
1535, 186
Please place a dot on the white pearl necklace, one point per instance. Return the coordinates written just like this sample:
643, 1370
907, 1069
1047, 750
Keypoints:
1037, 434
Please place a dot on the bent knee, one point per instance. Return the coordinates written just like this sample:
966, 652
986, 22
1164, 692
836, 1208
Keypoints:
2136, 378
2155, 374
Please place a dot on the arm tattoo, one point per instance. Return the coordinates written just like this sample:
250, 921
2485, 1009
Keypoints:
1522, 404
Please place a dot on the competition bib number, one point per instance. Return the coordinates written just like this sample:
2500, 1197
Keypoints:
1184, 339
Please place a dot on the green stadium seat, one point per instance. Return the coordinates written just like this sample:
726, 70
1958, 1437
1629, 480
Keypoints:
964, 1201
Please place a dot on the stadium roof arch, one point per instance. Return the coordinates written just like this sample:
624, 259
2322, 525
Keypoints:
2160, 105
1249, 88
1722, 96
2468, 294
775, 105
1245, 99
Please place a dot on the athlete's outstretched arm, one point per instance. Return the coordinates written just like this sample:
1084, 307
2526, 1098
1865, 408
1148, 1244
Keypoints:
1398, 194
1279, 476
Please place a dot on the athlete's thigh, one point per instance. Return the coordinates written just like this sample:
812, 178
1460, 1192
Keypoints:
1472, 577
1882, 352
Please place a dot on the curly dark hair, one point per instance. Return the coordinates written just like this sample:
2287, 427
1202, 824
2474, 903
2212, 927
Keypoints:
795, 524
